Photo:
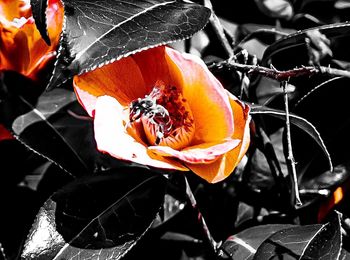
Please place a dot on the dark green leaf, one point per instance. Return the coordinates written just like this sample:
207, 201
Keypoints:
39, 15
344, 255
288, 243
326, 244
174, 201
304, 242
287, 47
98, 33
328, 180
26, 112
244, 244
298, 121
326, 106
245, 212
103, 214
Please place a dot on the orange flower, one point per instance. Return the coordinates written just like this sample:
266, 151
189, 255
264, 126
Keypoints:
165, 109
21, 47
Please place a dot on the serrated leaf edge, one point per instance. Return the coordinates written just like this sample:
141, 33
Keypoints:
113, 59
315, 88
320, 230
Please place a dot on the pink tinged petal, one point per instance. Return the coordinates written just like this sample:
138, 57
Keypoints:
198, 154
111, 137
87, 100
206, 96
224, 165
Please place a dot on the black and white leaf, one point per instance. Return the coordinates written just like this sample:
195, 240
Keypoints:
96, 33
298, 121
102, 215
244, 244
304, 242
39, 15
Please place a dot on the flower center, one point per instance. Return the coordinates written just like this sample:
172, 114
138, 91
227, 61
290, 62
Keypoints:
165, 115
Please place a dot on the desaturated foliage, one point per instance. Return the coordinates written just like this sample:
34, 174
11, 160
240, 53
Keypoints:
155, 129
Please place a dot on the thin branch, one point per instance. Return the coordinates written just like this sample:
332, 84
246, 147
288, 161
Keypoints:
219, 30
194, 205
245, 60
279, 75
290, 158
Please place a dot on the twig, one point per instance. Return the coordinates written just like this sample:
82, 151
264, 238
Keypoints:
279, 75
295, 189
245, 60
219, 30
194, 205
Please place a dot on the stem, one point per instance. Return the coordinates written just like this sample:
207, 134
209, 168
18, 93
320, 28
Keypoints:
242, 85
273, 73
219, 30
194, 205
295, 189
245, 60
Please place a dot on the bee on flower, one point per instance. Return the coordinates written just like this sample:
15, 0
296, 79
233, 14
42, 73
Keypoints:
165, 109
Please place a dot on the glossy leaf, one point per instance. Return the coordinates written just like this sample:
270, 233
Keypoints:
39, 15
96, 34
99, 215
303, 242
327, 179
326, 244
326, 106
294, 43
298, 121
243, 245
27, 113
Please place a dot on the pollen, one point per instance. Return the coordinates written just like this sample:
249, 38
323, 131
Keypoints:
177, 129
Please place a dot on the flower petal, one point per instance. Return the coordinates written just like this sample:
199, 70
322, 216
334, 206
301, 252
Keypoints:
224, 165
153, 66
87, 100
121, 79
205, 95
40, 52
22, 48
198, 154
11, 41
111, 137
10, 9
